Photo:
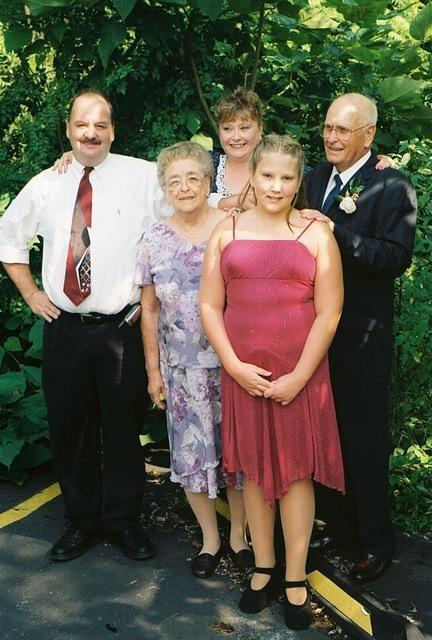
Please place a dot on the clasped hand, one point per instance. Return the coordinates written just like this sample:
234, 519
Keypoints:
253, 380
284, 389
250, 377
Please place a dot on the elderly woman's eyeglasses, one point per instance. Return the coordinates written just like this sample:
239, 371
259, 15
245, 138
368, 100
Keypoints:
190, 182
342, 133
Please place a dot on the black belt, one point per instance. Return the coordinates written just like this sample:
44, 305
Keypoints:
97, 318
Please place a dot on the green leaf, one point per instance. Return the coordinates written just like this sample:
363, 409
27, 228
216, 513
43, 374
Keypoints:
13, 344
33, 375
362, 54
203, 140
10, 446
13, 323
240, 6
12, 387
58, 30
36, 338
210, 8
157, 29
33, 407
193, 122
35, 47
39, 7
2, 353
421, 26
17, 37
5, 198
113, 34
36, 332
34, 352
31, 425
124, 7
33, 244
399, 87
30, 456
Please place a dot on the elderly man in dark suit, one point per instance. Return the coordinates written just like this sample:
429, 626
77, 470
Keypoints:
372, 215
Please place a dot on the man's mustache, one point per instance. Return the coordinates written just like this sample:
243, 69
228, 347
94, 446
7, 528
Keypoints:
85, 139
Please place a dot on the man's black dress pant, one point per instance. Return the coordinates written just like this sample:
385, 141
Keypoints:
95, 388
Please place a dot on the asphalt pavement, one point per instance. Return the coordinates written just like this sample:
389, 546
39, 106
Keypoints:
103, 595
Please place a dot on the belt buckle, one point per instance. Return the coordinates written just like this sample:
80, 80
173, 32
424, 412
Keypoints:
89, 318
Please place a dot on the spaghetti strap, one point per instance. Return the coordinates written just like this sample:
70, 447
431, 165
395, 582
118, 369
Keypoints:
304, 230
234, 217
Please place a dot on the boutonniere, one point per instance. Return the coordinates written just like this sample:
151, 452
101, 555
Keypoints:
348, 201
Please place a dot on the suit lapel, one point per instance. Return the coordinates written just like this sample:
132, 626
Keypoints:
362, 176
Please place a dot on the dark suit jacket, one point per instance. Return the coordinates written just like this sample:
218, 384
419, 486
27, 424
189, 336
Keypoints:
376, 243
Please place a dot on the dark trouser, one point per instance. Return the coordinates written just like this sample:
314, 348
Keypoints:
360, 388
94, 383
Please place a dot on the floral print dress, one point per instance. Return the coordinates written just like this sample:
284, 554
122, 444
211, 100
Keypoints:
189, 366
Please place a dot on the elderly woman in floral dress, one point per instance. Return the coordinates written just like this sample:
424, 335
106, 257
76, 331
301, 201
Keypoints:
183, 370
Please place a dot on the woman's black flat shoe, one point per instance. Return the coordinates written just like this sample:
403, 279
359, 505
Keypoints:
253, 601
204, 564
243, 559
298, 616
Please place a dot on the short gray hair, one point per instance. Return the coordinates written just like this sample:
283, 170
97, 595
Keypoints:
181, 151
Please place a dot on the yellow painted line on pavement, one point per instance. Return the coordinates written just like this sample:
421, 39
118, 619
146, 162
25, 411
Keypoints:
341, 600
28, 506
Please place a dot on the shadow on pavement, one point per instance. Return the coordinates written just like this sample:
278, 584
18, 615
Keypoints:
103, 595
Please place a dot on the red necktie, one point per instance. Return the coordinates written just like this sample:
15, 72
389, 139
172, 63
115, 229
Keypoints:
77, 284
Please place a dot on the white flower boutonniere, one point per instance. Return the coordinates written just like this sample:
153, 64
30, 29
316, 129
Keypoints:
348, 201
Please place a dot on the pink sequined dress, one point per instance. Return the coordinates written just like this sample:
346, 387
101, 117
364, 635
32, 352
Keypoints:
269, 312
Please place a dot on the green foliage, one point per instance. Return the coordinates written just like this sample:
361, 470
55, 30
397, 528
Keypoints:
411, 485
164, 63
413, 312
23, 425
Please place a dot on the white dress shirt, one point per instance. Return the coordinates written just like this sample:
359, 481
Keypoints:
346, 175
126, 200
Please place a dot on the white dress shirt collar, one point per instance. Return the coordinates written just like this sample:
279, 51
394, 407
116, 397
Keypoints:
98, 168
346, 175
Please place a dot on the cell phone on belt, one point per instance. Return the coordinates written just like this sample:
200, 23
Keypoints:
132, 315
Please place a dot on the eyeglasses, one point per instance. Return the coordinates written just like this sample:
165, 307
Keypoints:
342, 133
191, 182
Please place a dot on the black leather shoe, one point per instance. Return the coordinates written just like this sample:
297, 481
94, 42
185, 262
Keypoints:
298, 616
370, 567
134, 543
243, 559
73, 543
255, 600
204, 564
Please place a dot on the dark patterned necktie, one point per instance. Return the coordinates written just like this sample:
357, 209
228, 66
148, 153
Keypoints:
332, 194
77, 284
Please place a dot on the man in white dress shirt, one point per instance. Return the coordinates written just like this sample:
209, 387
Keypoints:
93, 369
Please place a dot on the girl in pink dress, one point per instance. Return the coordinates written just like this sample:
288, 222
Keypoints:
271, 298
